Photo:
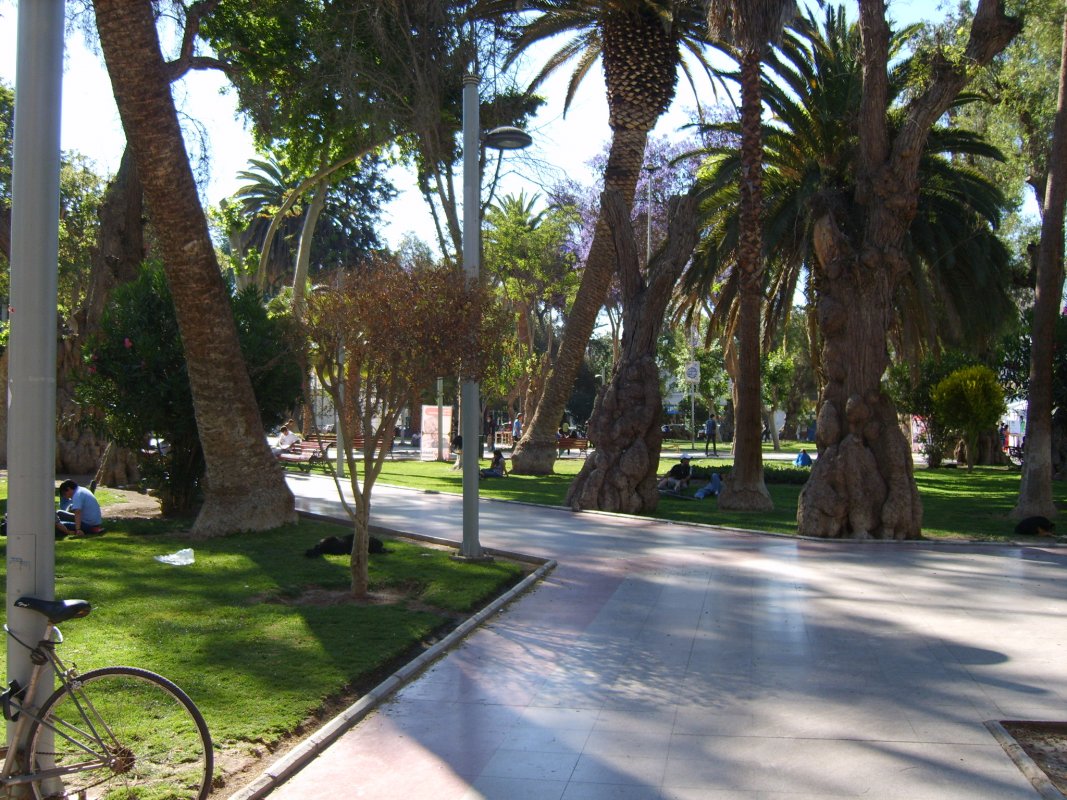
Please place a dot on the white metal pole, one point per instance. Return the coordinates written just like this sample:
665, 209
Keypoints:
32, 365
341, 467
469, 403
440, 419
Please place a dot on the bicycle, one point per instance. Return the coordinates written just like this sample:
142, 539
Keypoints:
109, 733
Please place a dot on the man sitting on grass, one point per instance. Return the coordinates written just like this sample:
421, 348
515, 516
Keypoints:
81, 513
678, 476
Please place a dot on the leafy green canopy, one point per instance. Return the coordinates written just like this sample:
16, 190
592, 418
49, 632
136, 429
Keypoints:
7, 135
969, 401
960, 272
135, 375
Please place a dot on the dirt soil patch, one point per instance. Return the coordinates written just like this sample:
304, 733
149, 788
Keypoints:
1046, 744
133, 505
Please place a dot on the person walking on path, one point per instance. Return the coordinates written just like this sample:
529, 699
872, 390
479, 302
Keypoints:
711, 427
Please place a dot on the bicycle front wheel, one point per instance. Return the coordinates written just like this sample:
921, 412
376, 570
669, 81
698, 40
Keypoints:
121, 733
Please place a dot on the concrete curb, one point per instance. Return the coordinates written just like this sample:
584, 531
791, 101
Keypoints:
1026, 765
289, 764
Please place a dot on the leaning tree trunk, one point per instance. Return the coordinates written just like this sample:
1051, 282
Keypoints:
536, 452
244, 488
1035, 489
620, 474
640, 56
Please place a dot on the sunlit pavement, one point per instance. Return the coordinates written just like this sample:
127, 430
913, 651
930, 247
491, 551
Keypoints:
668, 662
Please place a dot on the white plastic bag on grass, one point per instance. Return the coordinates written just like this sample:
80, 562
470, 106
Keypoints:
182, 558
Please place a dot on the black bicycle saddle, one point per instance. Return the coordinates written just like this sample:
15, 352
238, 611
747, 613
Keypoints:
56, 610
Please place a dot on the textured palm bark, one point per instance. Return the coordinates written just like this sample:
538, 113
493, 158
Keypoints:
536, 452
862, 485
640, 57
744, 488
621, 473
244, 488
1035, 490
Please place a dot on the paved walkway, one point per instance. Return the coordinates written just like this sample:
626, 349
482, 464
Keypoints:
666, 662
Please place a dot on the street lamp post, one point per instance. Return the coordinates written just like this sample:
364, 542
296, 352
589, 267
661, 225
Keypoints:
505, 138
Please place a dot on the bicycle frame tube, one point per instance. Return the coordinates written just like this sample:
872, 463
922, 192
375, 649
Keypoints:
44, 654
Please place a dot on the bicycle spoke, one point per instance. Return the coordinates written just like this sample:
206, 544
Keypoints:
144, 740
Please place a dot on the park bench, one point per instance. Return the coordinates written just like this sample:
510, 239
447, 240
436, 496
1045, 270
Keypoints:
305, 454
568, 443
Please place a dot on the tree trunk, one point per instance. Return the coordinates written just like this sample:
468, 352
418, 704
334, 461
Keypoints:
620, 474
244, 488
536, 452
862, 484
115, 260
303, 251
744, 488
118, 467
5, 232
1035, 489
359, 564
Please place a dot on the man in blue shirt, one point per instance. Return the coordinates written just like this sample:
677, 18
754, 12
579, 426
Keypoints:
83, 515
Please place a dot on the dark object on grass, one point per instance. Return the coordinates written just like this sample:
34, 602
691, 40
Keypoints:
342, 546
1035, 526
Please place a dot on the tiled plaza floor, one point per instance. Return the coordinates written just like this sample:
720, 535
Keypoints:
669, 662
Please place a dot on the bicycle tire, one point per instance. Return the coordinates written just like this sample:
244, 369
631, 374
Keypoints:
122, 732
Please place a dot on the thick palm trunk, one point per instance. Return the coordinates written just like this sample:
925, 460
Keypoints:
744, 488
536, 452
620, 474
1035, 490
244, 488
862, 485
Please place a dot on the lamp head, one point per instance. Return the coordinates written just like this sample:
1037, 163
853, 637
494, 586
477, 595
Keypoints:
506, 137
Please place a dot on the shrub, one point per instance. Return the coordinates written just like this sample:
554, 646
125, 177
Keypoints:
969, 401
136, 381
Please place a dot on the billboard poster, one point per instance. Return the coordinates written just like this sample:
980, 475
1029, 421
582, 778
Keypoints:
432, 445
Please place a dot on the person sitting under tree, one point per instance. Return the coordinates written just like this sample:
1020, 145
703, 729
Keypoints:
82, 513
498, 468
678, 476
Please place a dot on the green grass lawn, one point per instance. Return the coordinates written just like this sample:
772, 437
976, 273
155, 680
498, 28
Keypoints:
254, 631
956, 504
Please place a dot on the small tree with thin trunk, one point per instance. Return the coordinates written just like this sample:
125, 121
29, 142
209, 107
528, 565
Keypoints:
383, 333
968, 402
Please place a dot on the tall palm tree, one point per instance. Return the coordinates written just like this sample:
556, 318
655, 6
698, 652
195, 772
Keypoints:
244, 488
640, 45
959, 272
265, 186
747, 29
